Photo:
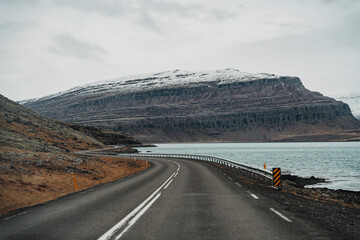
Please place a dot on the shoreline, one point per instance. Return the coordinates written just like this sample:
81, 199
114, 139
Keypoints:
311, 183
326, 170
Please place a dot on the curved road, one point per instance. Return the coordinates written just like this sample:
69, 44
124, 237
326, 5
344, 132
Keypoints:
174, 199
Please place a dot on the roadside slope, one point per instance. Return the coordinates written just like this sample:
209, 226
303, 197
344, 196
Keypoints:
36, 160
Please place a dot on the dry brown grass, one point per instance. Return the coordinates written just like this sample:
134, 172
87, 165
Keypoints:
41, 184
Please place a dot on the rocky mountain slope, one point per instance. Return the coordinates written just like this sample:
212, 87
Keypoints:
354, 102
36, 160
23, 129
223, 105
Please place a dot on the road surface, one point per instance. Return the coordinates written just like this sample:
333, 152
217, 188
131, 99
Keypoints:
174, 199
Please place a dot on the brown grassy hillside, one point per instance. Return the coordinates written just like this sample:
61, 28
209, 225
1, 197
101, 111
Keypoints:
36, 160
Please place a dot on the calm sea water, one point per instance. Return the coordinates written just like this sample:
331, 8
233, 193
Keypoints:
339, 163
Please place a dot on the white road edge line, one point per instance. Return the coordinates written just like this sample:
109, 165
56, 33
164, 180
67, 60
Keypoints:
19, 214
176, 164
253, 195
238, 184
176, 174
166, 186
117, 226
280, 215
132, 221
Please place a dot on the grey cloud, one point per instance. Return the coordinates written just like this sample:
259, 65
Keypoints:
145, 9
293, 25
125, 7
348, 32
222, 14
345, 33
9, 26
171, 8
193, 10
67, 45
16, 26
146, 20
19, 2
336, 1
325, 57
110, 8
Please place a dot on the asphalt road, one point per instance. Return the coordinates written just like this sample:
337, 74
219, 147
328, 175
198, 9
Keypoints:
174, 199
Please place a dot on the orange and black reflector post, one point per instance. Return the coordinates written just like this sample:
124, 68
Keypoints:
75, 184
276, 177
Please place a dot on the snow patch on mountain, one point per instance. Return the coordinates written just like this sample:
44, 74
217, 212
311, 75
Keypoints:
353, 100
176, 78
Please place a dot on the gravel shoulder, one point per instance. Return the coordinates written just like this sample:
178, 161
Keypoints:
336, 211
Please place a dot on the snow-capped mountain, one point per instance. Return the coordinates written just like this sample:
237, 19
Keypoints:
353, 100
222, 105
144, 82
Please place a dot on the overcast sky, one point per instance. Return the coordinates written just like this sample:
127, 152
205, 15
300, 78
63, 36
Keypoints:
50, 46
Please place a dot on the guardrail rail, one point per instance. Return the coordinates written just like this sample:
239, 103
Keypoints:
247, 171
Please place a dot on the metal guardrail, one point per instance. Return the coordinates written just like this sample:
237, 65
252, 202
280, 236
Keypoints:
255, 173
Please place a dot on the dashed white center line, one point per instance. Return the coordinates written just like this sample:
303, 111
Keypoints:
253, 195
280, 215
238, 184
230, 178
166, 186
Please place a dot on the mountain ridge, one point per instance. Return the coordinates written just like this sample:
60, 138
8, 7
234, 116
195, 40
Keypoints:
130, 80
181, 106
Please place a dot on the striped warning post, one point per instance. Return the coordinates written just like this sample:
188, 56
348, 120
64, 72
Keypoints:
276, 177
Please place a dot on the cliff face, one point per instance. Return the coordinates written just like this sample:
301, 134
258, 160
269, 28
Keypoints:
225, 105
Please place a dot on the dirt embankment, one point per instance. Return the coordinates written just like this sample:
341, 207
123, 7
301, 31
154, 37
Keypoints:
28, 179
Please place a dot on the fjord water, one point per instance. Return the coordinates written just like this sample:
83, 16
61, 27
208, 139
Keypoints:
338, 163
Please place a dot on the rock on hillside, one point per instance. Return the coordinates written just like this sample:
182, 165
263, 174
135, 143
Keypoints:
179, 106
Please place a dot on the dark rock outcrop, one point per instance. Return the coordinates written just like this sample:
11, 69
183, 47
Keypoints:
225, 105
105, 136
